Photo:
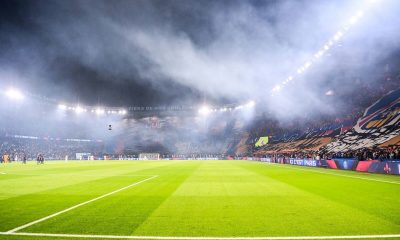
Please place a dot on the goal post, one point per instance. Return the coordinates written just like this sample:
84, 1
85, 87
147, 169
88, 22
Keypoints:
149, 156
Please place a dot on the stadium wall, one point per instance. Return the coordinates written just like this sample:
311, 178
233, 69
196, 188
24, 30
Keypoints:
372, 166
363, 166
346, 163
331, 164
388, 167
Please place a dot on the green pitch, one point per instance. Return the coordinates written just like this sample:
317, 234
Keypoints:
192, 199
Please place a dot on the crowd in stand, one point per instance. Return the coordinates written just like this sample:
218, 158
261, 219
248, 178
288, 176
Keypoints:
356, 101
365, 154
16, 149
306, 128
390, 153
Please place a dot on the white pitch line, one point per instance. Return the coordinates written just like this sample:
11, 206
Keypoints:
303, 168
2, 173
81, 175
78, 205
198, 238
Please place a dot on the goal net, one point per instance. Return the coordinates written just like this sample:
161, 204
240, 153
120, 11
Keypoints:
149, 156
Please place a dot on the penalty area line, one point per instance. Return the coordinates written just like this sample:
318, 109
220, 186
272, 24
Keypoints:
52, 235
12, 231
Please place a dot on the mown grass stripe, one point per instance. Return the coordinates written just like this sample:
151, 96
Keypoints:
78, 205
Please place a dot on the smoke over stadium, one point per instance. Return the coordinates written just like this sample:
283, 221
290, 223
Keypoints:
89, 51
294, 105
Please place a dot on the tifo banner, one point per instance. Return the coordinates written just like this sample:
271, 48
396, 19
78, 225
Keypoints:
262, 141
347, 164
379, 123
385, 167
363, 166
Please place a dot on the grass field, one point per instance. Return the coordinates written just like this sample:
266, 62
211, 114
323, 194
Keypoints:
193, 199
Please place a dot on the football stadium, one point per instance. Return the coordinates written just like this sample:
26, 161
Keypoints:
199, 120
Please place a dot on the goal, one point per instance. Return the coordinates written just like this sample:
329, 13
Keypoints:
149, 156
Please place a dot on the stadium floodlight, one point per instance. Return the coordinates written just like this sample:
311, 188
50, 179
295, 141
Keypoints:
62, 107
122, 112
251, 103
79, 109
100, 111
276, 88
14, 94
319, 54
204, 110
338, 35
330, 93
356, 17
300, 70
335, 39
373, 1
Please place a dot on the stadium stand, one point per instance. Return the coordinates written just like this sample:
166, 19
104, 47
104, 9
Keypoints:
17, 146
369, 129
366, 128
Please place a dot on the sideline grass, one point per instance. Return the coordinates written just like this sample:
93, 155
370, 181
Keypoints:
196, 198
